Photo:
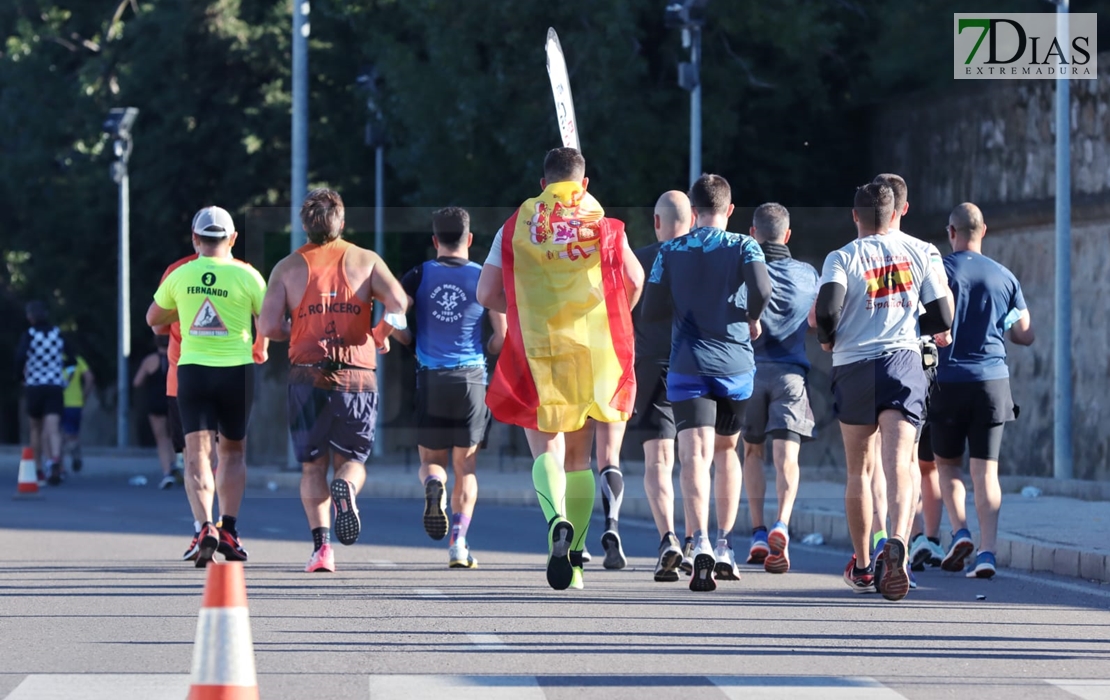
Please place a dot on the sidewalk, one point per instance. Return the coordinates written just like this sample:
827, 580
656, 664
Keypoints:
1055, 533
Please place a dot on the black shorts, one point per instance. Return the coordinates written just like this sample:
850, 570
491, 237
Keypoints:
971, 414
331, 419
173, 421
924, 433
451, 408
44, 400
724, 414
653, 415
215, 398
862, 390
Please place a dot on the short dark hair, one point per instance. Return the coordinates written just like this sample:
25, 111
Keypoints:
450, 225
37, 311
563, 165
323, 215
897, 185
710, 194
874, 205
771, 221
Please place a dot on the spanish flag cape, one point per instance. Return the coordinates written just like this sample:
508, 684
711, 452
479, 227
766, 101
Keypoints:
568, 355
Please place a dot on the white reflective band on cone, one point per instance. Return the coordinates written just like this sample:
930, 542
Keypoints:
224, 653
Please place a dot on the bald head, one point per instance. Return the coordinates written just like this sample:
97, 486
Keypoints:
673, 215
967, 221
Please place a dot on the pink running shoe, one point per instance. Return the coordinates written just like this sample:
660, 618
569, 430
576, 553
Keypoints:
323, 559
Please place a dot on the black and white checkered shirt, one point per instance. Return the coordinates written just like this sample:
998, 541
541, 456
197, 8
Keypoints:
45, 357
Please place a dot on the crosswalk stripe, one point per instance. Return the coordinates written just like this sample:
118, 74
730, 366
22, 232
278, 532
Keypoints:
487, 642
460, 687
802, 688
1086, 689
90, 686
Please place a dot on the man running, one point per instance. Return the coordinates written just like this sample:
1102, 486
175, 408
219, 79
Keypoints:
867, 315
327, 288
40, 359
779, 407
973, 403
566, 278
80, 384
925, 543
452, 417
217, 297
653, 417
711, 363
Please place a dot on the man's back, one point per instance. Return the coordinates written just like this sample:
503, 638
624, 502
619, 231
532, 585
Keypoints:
985, 293
786, 318
653, 337
448, 325
885, 277
42, 354
704, 272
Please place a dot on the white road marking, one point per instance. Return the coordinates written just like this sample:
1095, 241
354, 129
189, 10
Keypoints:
455, 687
1088, 690
384, 563
101, 687
430, 593
273, 530
802, 688
487, 642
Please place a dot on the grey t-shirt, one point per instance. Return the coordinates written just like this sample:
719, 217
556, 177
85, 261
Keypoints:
886, 277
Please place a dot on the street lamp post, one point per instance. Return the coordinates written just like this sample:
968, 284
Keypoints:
118, 126
689, 16
375, 137
1062, 452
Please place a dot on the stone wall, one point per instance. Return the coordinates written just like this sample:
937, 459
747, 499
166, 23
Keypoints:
995, 146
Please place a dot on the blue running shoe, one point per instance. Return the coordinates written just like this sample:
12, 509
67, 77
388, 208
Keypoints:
961, 549
759, 548
913, 581
984, 566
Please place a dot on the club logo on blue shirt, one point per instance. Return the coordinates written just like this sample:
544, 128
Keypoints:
448, 300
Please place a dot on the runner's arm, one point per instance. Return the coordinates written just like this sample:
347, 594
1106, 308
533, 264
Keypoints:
633, 275
21, 355
404, 335
827, 310
937, 319
385, 288
1021, 332
157, 316
658, 302
500, 327
88, 383
491, 289
145, 370
273, 322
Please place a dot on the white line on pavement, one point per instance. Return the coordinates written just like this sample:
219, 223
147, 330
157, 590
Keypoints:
384, 563
459, 687
101, 687
434, 593
1088, 690
273, 530
487, 642
802, 688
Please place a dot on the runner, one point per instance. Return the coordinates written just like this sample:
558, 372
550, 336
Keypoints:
867, 316
779, 407
41, 358
566, 278
452, 417
327, 288
216, 296
925, 543
711, 366
653, 418
973, 402
152, 375
80, 384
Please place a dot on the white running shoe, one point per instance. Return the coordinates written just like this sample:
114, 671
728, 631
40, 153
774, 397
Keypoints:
725, 567
459, 557
704, 563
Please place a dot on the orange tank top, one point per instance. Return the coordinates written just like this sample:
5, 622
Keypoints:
331, 325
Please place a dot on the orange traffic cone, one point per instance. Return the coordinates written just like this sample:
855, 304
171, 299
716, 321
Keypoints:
27, 485
223, 654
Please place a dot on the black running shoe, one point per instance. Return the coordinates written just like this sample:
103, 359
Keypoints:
435, 510
559, 568
687, 565
347, 523
670, 556
209, 542
230, 546
76, 466
614, 555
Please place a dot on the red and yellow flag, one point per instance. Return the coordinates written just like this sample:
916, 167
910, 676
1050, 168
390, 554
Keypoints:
569, 351
889, 279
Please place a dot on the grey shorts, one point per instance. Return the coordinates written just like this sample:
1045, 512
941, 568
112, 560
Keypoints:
779, 403
323, 419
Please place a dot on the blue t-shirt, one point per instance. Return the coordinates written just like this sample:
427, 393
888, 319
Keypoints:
447, 317
704, 273
785, 321
984, 293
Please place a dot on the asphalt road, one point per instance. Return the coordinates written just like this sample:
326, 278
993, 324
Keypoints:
95, 605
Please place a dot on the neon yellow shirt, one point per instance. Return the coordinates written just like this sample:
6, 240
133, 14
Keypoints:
215, 299
75, 380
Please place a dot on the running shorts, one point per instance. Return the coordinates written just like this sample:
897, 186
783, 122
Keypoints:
451, 408
653, 415
321, 419
702, 402
971, 414
44, 400
173, 421
215, 398
71, 421
779, 404
895, 381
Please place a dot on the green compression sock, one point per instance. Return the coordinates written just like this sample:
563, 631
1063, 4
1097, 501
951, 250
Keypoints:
581, 489
551, 486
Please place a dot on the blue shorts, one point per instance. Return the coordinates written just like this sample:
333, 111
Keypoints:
71, 421
703, 402
684, 387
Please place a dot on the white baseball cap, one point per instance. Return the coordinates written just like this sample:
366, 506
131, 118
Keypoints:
213, 222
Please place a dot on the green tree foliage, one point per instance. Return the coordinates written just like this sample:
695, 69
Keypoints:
787, 87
